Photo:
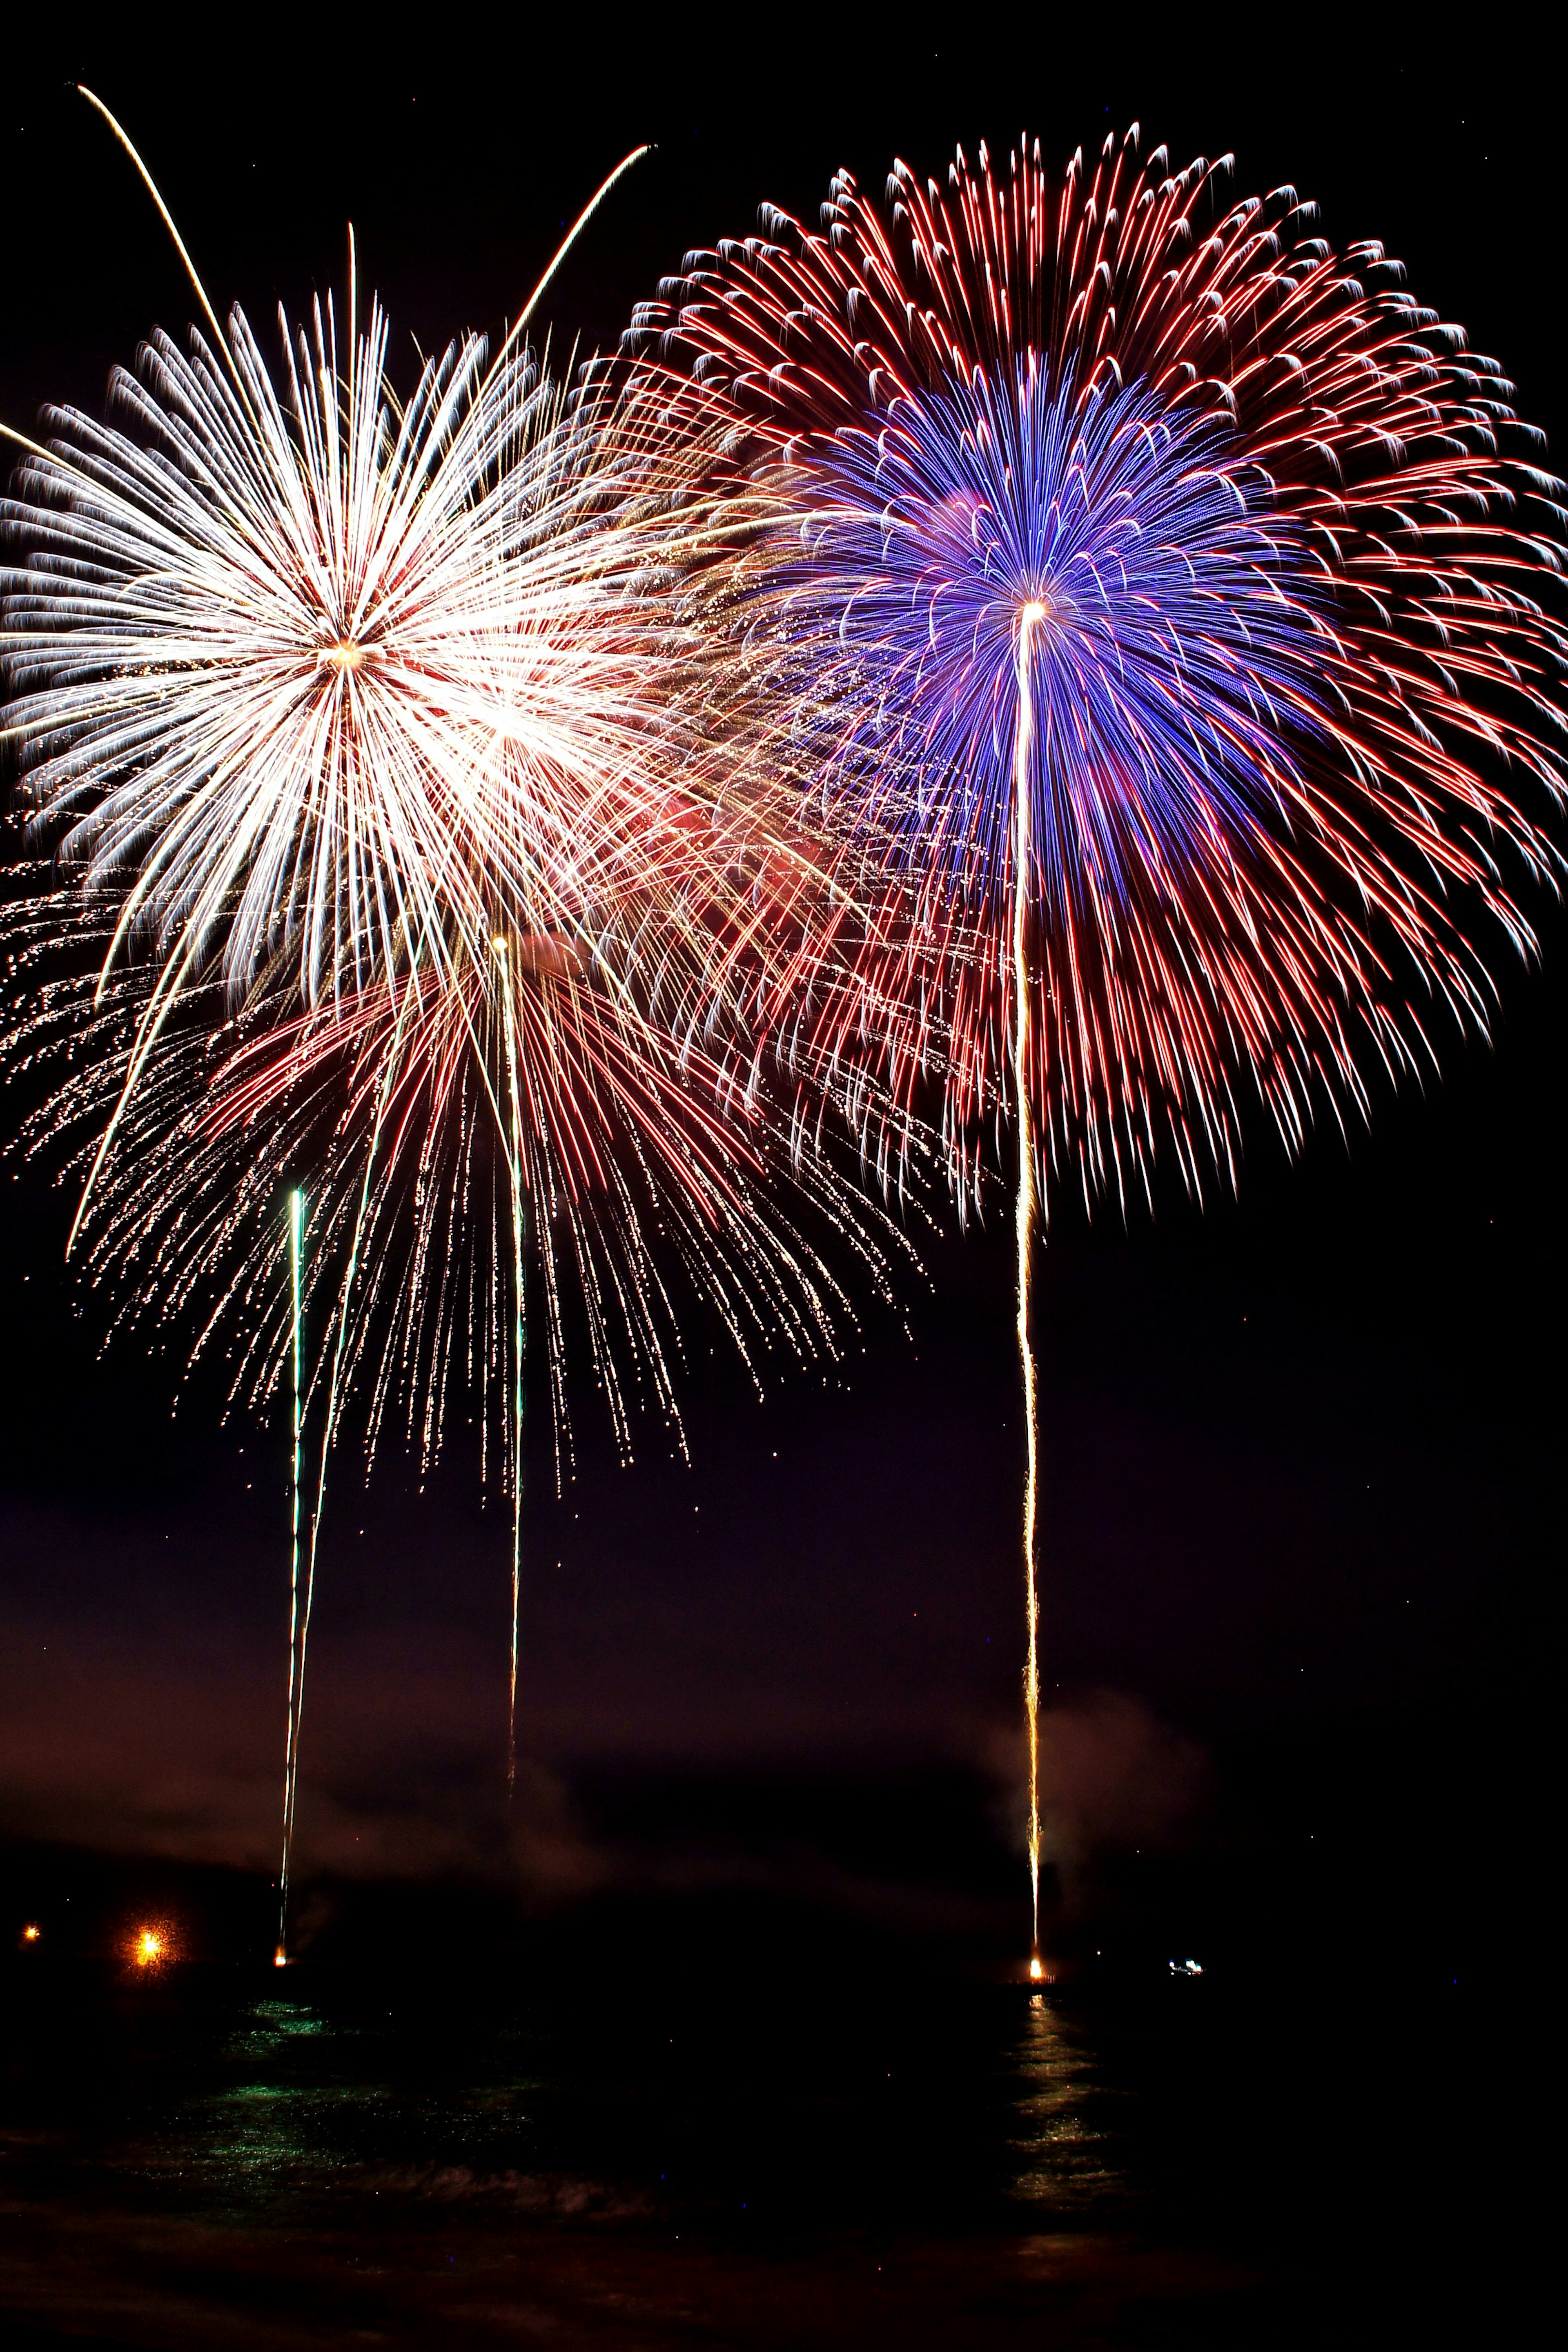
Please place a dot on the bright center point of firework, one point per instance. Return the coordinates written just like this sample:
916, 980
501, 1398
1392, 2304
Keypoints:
30, 1935
1032, 617
1036, 1970
148, 1947
280, 1957
345, 654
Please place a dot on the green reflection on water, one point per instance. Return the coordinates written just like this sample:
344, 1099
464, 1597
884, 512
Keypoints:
302, 2112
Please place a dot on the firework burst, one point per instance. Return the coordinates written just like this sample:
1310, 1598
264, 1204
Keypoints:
396, 874
556, 1074
1156, 597
241, 651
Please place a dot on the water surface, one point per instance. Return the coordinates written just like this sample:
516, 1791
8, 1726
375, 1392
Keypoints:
579, 2150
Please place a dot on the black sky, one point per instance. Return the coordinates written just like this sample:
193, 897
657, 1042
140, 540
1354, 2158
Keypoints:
1301, 1449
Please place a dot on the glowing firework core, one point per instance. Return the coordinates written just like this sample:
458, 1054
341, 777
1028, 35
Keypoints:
149, 1948
347, 654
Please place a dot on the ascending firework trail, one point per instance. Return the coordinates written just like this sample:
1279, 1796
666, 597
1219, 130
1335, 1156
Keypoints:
1029, 623
1152, 599
277, 670
363, 716
296, 1624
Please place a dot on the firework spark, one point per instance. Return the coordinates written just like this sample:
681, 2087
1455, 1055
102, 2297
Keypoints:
395, 862
1156, 596
249, 632
238, 646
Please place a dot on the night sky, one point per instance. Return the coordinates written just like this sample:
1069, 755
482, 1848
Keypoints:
1301, 1449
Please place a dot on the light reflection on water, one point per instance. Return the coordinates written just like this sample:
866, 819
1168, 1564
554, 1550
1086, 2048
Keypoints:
272, 2023
548, 2148
260, 2133
1063, 2154
903, 2108
312, 2104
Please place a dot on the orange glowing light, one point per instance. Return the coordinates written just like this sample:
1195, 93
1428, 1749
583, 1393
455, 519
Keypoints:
344, 655
1036, 1970
280, 1957
31, 1935
149, 1948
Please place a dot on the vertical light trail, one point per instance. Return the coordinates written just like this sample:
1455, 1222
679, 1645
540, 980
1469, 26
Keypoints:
1030, 619
514, 1157
1131, 410
300, 1615
296, 1661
